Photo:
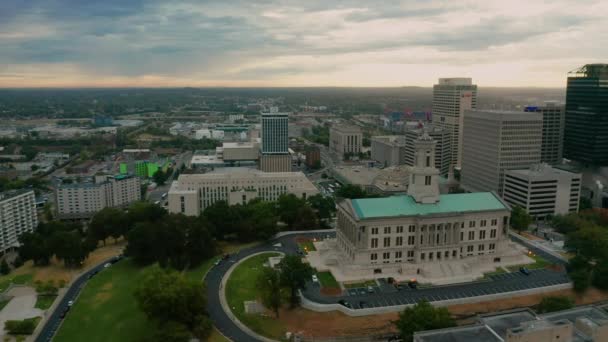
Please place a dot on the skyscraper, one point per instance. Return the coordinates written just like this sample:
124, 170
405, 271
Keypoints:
553, 131
586, 132
451, 97
275, 142
495, 141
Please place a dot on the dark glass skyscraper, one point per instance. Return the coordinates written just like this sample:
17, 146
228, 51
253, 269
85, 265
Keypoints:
586, 131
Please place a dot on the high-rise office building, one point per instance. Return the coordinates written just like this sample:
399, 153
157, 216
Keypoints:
586, 132
443, 156
275, 142
553, 131
17, 216
495, 141
451, 97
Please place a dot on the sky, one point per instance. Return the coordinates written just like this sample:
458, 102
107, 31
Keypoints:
271, 43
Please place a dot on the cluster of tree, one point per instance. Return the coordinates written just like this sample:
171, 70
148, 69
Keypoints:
66, 241
420, 317
291, 274
175, 304
317, 134
259, 220
520, 219
353, 191
586, 238
160, 176
554, 303
35, 183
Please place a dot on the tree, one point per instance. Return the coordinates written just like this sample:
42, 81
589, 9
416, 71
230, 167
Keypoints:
294, 274
143, 211
4, 268
107, 222
288, 206
306, 219
585, 203
170, 300
325, 206
422, 316
160, 177
69, 247
520, 219
269, 284
554, 303
33, 246
581, 280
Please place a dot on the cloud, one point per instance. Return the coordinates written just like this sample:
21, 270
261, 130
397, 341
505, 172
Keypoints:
329, 42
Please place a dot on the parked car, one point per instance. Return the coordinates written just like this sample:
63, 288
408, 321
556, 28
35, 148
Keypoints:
217, 262
362, 304
370, 289
344, 303
107, 265
524, 270
390, 280
315, 278
413, 284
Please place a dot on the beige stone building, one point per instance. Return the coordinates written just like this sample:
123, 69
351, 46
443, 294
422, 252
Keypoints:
192, 193
426, 235
82, 200
17, 216
345, 139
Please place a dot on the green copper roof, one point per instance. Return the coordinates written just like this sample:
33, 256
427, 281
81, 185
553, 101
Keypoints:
406, 206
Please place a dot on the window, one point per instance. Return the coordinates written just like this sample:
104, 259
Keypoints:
374, 243
374, 231
411, 240
427, 180
453, 253
387, 230
411, 229
387, 242
481, 247
431, 255
399, 229
399, 241
374, 256
410, 254
422, 239
421, 256
471, 235
494, 222
482, 223
469, 248
447, 254
482, 234
386, 255
428, 161
398, 255
492, 233
461, 236
471, 224
492, 246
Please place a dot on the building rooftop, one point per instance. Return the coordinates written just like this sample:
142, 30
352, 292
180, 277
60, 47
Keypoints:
477, 333
396, 206
13, 193
541, 171
502, 322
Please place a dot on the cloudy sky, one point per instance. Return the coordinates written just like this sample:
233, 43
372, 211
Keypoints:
297, 43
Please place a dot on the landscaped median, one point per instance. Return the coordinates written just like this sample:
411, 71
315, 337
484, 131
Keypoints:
241, 287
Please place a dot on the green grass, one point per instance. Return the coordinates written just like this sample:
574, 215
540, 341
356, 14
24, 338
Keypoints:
327, 280
498, 271
241, 287
361, 284
3, 303
44, 302
20, 279
539, 262
307, 246
106, 309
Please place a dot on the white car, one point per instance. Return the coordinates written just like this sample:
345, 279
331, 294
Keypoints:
107, 265
315, 278
70, 303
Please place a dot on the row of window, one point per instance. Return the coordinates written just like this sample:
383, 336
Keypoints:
412, 228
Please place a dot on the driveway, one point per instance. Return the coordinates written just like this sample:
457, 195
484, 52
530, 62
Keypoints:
20, 307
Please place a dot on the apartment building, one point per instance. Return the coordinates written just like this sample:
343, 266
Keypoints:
83, 199
17, 216
543, 190
192, 193
496, 141
345, 139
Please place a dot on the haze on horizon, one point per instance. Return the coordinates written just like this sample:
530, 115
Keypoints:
271, 43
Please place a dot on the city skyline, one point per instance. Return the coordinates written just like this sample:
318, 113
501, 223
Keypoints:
293, 43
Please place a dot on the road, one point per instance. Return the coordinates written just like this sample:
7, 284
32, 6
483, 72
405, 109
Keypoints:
384, 295
54, 321
156, 194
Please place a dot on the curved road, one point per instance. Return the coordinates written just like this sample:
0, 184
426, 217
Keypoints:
388, 296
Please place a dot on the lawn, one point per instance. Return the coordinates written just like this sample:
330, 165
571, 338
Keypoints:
44, 302
539, 262
242, 287
21, 279
307, 246
327, 280
106, 308
361, 284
